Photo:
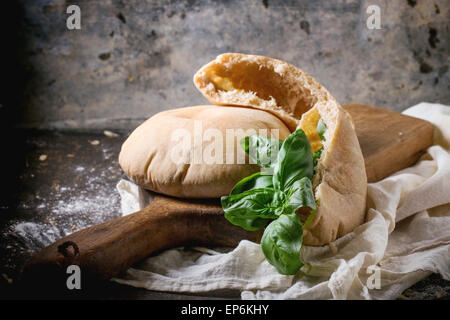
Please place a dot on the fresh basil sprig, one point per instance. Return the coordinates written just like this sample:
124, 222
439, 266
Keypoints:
271, 201
261, 198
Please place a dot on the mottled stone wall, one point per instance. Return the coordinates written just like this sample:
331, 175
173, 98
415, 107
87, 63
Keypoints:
132, 59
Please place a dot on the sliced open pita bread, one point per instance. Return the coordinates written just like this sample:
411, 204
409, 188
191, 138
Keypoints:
263, 83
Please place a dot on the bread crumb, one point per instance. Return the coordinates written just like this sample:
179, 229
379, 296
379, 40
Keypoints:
110, 134
94, 142
42, 157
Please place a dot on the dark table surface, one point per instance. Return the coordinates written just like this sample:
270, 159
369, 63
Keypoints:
55, 183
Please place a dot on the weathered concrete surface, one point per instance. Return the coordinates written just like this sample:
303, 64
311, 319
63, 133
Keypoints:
132, 59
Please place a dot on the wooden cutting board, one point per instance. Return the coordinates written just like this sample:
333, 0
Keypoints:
389, 142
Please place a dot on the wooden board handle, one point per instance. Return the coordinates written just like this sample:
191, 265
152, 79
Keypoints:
103, 251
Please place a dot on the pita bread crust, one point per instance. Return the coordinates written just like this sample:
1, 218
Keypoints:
292, 95
145, 156
270, 84
341, 182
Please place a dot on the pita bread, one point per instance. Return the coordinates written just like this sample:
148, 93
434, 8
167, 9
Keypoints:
263, 83
150, 157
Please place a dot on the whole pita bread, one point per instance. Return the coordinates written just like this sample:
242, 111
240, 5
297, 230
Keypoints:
263, 83
157, 157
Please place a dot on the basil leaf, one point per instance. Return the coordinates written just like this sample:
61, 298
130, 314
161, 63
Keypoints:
281, 243
263, 150
294, 161
301, 195
316, 156
321, 128
258, 180
251, 224
266, 203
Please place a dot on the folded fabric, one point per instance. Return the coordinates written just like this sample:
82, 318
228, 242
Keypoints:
405, 238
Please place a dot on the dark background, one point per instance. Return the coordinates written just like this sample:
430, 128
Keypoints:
131, 59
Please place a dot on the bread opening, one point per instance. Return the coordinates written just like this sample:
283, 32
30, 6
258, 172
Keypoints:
263, 81
309, 124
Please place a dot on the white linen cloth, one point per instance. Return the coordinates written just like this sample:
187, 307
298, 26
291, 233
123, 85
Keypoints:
405, 238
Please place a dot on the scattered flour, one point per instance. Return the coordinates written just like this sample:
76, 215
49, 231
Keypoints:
68, 209
37, 235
